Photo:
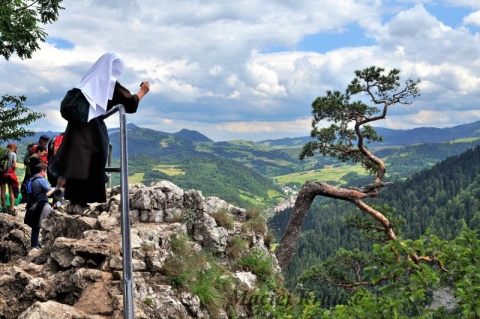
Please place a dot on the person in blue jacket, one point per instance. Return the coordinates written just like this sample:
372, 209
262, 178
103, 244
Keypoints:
38, 208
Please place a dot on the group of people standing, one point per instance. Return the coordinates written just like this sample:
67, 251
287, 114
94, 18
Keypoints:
36, 154
77, 171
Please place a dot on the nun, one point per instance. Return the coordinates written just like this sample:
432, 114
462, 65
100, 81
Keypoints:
82, 156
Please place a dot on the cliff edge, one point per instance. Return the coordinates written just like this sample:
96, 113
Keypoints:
193, 257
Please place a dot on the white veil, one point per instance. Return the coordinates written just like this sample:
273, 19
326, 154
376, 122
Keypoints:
99, 82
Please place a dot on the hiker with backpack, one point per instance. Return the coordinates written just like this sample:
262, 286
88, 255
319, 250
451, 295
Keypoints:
32, 162
42, 141
82, 156
8, 165
38, 207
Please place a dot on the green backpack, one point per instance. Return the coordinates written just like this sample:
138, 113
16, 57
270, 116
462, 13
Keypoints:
4, 159
74, 107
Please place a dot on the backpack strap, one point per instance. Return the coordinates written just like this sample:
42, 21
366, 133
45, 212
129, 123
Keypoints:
34, 178
9, 160
28, 153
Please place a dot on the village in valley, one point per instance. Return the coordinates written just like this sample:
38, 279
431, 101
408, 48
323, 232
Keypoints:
289, 202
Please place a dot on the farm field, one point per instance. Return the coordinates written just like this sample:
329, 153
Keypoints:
328, 173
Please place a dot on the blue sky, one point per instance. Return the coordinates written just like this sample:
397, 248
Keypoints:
250, 69
351, 36
60, 43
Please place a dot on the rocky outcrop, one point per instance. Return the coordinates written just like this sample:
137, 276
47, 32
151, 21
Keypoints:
78, 273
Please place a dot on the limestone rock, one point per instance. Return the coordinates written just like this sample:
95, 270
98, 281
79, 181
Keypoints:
55, 310
79, 271
246, 280
209, 234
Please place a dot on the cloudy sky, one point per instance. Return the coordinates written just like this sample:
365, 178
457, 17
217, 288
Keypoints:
250, 69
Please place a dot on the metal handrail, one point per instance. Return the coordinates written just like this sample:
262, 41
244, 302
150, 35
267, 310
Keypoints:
109, 166
128, 305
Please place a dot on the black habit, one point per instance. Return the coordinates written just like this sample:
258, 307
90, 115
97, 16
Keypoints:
82, 156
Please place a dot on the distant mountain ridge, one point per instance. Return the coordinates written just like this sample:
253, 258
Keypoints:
391, 136
401, 137
428, 134
192, 136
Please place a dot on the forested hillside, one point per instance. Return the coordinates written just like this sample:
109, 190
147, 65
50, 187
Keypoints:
266, 160
438, 198
219, 177
156, 144
406, 160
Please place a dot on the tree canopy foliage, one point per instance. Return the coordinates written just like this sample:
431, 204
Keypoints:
20, 30
21, 33
14, 118
345, 138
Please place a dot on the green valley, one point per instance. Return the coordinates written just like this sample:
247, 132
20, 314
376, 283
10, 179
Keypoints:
267, 165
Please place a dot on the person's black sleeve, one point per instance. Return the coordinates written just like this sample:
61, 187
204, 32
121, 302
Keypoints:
123, 96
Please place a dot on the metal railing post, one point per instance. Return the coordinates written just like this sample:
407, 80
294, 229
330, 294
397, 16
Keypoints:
109, 164
128, 304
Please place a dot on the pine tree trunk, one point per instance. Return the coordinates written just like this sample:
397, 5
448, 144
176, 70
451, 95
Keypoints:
288, 245
307, 194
